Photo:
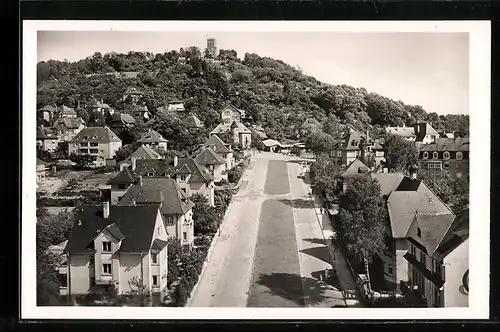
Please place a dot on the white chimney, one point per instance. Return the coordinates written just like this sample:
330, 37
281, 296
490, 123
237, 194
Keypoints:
105, 210
134, 163
413, 175
385, 170
122, 167
176, 161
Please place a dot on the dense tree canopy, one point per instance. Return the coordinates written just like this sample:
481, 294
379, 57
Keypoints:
399, 153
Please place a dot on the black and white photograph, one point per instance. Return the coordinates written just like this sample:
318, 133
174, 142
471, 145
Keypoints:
233, 170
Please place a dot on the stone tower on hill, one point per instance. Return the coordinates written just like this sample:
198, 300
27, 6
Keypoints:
211, 50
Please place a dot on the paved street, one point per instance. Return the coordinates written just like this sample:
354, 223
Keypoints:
271, 251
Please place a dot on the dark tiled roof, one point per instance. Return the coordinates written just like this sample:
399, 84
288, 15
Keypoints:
198, 172
220, 146
153, 190
447, 144
433, 228
143, 152
152, 136
427, 130
124, 177
96, 134
352, 139
456, 234
135, 223
209, 157
408, 184
159, 244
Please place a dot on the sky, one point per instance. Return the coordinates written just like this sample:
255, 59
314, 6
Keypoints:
427, 69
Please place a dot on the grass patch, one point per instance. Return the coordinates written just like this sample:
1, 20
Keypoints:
277, 178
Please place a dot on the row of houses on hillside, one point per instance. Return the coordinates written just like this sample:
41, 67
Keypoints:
425, 255
437, 151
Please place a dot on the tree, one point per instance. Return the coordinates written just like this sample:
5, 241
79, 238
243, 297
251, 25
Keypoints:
234, 174
362, 218
204, 216
139, 292
399, 153
82, 160
47, 282
319, 142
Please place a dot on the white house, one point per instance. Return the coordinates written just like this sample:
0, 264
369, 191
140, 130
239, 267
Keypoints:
100, 142
111, 245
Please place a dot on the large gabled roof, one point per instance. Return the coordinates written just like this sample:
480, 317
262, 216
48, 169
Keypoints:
427, 130
209, 157
134, 224
144, 152
388, 181
447, 144
158, 190
152, 136
70, 123
215, 141
355, 168
95, 134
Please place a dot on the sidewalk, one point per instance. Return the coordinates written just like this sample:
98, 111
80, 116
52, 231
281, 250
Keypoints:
340, 265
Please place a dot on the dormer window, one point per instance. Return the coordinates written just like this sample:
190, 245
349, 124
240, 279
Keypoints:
446, 155
459, 155
435, 155
425, 155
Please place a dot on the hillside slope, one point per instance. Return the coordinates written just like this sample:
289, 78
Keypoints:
275, 95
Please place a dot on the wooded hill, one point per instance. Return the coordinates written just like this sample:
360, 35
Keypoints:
275, 95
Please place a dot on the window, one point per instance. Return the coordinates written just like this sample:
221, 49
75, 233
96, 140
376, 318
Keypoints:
184, 236
183, 189
459, 155
389, 269
94, 144
91, 260
94, 151
106, 268
150, 174
425, 155
339, 153
106, 246
155, 280
446, 155
121, 186
170, 220
63, 280
435, 155
419, 232
183, 178
83, 144
412, 250
154, 258
446, 165
422, 257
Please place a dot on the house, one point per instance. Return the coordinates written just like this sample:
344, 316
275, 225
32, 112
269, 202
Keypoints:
109, 246
46, 139
424, 133
122, 121
100, 142
47, 114
407, 133
222, 149
438, 261
230, 114
214, 163
67, 112
354, 144
142, 152
175, 106
192, 122
67, 128
191, 177
41, 170
175, 207
411, 198
99, 106
271, 145
154, 139
133, 95
238, 132
446, 155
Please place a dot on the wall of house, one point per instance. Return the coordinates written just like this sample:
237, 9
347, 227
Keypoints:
217, 172
172, 229
102, 257
401, 263
455, 265
79, 273
130, 267
188, 228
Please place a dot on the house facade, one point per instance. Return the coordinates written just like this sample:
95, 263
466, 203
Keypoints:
67, 128
237, 131
222, 149
46, 139
446, 155
355, 145
100, 142
229, 114
215, 165
424, 133
108, 248
175, 207
154, 139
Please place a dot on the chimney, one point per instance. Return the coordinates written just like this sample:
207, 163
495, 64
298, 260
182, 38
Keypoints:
413, 175
122, 167
176, 161
105, 209
385, 170
134, 163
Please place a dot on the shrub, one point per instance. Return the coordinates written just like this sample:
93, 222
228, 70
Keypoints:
234, 174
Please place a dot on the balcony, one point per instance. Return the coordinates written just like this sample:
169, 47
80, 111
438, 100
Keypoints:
433, 277
106, 280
